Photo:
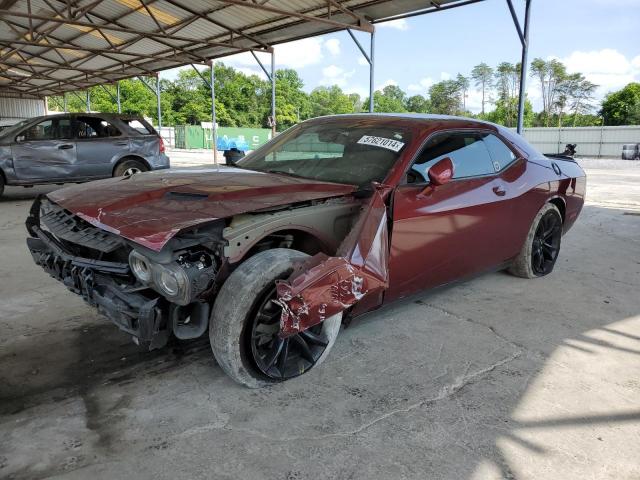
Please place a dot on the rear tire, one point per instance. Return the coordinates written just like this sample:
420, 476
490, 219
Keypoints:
542, 246
245, 322
1, 184
129, 167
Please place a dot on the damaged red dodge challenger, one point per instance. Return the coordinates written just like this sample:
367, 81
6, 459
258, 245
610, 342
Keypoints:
335, 217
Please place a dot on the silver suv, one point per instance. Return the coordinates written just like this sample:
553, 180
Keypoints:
78, 147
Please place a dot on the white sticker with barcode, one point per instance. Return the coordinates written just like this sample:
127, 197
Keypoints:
381, 142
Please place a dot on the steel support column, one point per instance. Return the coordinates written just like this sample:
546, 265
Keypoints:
524, 40
212, 88
369, 59
372, 65
88, 101
214, 132
273, 93
118, 96
64, 101
158, 99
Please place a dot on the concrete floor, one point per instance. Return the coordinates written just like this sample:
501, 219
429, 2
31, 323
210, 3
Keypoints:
497, 377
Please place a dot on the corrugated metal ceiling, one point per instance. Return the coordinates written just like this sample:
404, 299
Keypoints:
51, 46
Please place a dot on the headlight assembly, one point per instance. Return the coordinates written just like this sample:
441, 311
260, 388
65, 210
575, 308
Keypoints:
140, 266
173, 283
180, 281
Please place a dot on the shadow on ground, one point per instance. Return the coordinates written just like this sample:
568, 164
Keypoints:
497, 377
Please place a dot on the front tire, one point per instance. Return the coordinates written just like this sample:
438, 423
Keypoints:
245, 322
540, 250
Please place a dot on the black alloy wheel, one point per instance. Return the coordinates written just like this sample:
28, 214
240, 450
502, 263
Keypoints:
546, 243
282, 358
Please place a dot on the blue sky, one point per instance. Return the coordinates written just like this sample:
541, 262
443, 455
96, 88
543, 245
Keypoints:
600, 38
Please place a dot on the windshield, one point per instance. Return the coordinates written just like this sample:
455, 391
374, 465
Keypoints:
355, 152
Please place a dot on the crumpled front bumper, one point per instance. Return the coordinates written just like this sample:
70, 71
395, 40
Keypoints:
96, 281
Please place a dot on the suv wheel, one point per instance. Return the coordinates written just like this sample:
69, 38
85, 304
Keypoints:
129, 167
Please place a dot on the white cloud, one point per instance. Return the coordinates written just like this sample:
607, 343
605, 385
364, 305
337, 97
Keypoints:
362, 61
333, 46
334, 75
473, 102
298, 54
608, 68
386, 83
400, 24
445, 76
422, 86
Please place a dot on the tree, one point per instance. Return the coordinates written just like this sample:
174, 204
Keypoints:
445, 97
331, 100
418, 104
481, 75
391, 99
550, 75
463, 86
292, 103
622, 107
507, 84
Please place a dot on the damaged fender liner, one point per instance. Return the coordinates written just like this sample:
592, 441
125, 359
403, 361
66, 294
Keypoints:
324, 286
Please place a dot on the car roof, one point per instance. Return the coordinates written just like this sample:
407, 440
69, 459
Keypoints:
418, 117
122, 116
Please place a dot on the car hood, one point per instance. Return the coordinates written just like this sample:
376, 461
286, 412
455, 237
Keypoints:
150, 208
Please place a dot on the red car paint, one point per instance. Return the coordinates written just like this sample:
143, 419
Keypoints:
440, 233
408, 237
151, 209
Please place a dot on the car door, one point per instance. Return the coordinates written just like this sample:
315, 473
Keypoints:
100, 144
446, 232
45, 151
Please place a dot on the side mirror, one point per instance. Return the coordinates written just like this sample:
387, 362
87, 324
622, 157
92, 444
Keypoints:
441, 172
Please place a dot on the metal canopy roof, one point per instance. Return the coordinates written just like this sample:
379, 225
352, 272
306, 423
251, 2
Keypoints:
48, 47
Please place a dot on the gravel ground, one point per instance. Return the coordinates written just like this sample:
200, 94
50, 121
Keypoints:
497, 377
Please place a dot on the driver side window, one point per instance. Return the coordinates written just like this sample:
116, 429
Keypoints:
466, 150
44, 130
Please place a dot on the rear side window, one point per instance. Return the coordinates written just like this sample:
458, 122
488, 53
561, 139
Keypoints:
467, 151
501, 155
138, 126
95, 127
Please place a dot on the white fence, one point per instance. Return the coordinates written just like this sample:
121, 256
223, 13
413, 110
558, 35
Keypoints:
168, 134
591, 141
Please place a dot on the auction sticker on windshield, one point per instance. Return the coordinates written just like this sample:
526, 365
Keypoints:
382, 142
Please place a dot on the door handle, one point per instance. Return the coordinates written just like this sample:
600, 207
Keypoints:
65, 146
499, 191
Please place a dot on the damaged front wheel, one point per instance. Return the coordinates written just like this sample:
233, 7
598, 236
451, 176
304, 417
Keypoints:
245, 325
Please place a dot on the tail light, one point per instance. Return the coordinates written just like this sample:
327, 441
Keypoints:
161, 144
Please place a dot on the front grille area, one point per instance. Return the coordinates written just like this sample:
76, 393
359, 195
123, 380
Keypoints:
70, 228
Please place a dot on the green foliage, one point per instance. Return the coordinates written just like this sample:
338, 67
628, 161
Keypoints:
245, 100
390, 100
418, 104
482, 75
622, 107
331, 101
445, 97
